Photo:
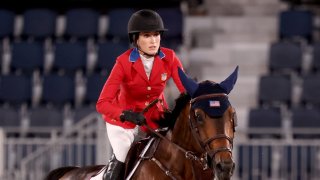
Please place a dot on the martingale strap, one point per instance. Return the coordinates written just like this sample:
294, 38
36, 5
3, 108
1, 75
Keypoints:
141, 157
164, 169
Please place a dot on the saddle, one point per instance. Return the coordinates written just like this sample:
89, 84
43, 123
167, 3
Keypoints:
142, 150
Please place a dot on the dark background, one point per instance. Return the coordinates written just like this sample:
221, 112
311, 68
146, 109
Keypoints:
101, 5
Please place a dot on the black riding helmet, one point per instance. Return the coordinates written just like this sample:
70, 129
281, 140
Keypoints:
144, 20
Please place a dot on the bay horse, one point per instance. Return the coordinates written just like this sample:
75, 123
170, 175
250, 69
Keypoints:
197, 145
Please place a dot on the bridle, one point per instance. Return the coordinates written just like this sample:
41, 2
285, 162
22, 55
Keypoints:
195, 128
203, 159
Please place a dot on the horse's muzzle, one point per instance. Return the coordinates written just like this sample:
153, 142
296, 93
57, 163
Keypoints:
224, 170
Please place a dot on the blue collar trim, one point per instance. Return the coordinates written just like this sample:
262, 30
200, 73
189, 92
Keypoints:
161, 54
134, 55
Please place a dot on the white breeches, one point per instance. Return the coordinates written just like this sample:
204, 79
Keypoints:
120, 140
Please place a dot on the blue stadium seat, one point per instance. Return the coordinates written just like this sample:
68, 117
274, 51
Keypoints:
1, 56
45, 121
295, 23
315, 63
285, 57
58, 90
27, 57
46, 117
306, 122
275, 90
82, 23
82, 112
10, 117
173, 21
39, 23
69, 57
7, 19
118, 22
107, 54
94, 84
266, 123
310, 90
15, 89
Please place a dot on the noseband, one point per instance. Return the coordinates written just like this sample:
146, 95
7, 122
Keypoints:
195, 130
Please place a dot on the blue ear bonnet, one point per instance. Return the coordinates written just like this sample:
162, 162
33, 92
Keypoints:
208, 87
214, 106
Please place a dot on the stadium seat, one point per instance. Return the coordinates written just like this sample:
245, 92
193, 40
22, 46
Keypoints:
45, 121
69, 57
10, 117
58, 90
39, 23
265, 123
27, 57
107, 54
315, 63
285, 57
94, 84
82, 23
7, 20
15, 89
306, 122
1, 57
294, 23
310, 90
81, 112
118, 22
46, 117
173, 21
275, 90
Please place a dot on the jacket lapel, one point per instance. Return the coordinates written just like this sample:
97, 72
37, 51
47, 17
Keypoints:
138, 66
157, 69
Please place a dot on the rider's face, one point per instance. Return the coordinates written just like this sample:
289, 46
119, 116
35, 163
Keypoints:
149, 42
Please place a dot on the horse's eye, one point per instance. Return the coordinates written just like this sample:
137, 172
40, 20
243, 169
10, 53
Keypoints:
198, 117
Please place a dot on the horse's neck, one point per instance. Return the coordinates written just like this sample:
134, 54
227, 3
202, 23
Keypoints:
171, 155
182, 135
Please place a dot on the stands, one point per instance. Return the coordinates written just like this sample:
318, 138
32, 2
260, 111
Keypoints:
53, 65
272, 148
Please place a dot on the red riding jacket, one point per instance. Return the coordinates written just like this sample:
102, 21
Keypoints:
129, 88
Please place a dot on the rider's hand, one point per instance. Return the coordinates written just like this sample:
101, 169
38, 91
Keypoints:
134, 117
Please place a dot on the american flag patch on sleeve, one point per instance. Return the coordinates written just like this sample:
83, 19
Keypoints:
214, 103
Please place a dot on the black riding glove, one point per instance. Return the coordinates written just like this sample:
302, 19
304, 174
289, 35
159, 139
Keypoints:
134, 117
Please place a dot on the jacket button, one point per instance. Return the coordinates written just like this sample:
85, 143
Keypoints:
149, 88
148, 96
147, 103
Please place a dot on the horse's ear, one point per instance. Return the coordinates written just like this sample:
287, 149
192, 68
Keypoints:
190, 85
230, 81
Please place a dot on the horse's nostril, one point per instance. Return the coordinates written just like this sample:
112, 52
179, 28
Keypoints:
225, 166
219, 167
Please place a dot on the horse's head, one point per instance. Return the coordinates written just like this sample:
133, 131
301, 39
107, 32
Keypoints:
213, 121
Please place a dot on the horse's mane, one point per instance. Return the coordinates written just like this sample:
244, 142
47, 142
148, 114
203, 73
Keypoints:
170, 117
59, 172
